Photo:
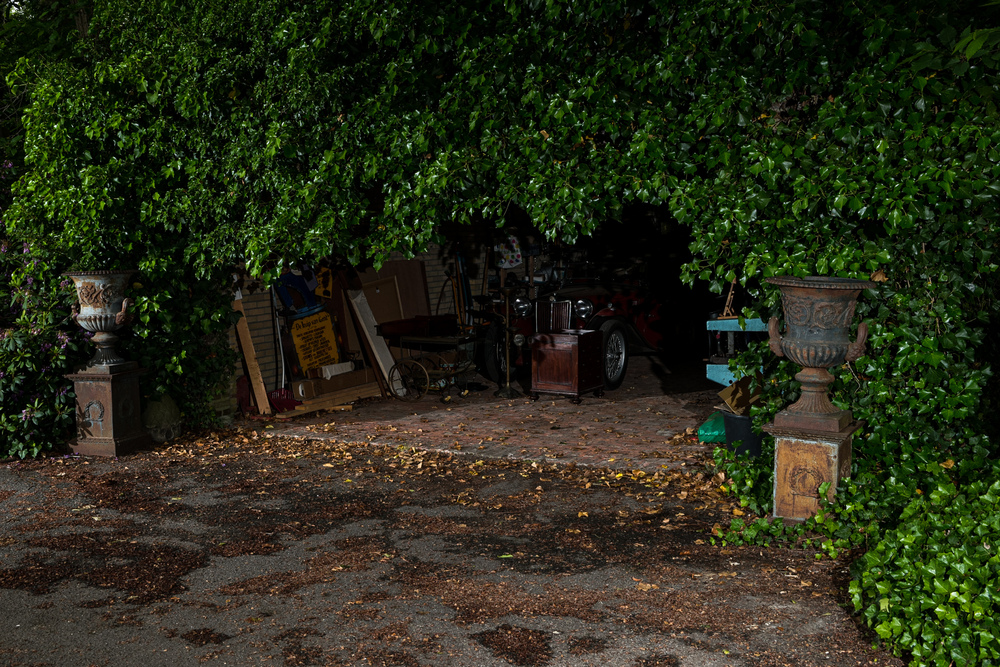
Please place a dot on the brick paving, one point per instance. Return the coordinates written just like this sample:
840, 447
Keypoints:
647, 424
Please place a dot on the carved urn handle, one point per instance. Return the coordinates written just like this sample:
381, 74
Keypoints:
774, 337
856, 350
124, 317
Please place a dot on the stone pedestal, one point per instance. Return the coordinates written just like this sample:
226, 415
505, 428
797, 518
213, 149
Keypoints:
107, 410
805, 459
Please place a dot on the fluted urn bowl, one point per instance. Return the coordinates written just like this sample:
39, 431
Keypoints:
102, 310
818, 315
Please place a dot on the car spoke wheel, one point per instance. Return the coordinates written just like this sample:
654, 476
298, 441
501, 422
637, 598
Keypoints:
615, 354
495, 354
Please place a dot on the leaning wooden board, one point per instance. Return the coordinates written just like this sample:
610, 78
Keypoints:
250, 356
363, 313
336, 400
342, 396
298, 413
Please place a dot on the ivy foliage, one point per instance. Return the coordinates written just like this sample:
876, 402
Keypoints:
45, 32
38, 343
347, 128
793, 137
930, 585
871, 153
184, 311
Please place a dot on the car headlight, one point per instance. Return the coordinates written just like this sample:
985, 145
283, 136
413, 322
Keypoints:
522, 307
583, 308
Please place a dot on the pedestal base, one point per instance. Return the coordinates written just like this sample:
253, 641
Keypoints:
803, 461
107, 410
829, 422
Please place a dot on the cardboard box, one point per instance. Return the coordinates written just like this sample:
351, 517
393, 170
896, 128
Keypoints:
738, 397
303, 390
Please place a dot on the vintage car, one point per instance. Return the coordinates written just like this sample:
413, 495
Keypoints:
623, 310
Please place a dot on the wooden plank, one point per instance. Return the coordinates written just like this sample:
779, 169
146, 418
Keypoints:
337, 405
363, 316
298, 413
334, 405
370, 355
343, 396
334, 401
250, 356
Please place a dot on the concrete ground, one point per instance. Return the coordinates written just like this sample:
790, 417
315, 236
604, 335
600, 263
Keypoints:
479, 532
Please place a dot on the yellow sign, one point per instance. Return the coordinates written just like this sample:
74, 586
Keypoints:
315, 342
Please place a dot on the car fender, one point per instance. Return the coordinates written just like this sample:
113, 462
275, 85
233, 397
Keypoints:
596, 321
635, 339
607, 313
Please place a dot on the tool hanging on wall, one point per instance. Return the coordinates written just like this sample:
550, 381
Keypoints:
486, 271
465, 290
280, 348
727, 312
507, 391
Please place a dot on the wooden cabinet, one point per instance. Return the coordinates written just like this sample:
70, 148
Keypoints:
567, 363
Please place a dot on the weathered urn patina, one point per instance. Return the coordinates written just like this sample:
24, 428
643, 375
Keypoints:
818, 315
107, 389
812, 437
103, 310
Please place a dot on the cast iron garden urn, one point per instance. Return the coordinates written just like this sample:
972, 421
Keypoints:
103, 310
107, 390
818, 315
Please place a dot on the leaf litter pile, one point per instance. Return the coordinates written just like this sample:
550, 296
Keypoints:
317, 551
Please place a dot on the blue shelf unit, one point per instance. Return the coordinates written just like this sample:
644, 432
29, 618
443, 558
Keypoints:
727, 333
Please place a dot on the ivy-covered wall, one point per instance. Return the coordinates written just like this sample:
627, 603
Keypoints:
794, 137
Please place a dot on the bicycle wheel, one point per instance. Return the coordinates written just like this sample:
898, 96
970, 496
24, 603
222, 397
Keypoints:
408, 380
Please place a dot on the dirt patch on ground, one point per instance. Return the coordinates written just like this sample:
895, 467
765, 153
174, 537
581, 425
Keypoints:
518, 646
